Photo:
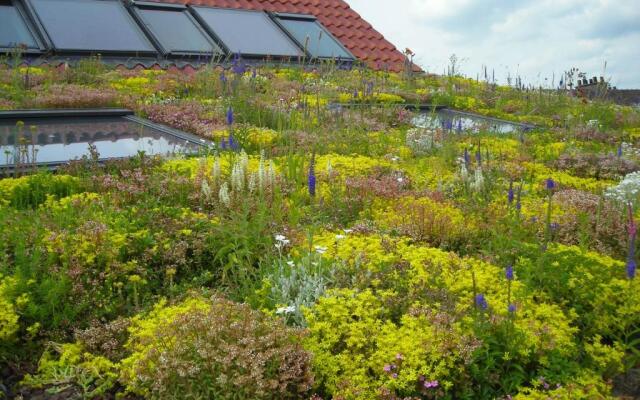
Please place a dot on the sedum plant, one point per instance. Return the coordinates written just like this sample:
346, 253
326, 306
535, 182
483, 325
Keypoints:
214, 348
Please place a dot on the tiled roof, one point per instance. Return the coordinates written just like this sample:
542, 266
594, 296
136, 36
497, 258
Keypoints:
344, 23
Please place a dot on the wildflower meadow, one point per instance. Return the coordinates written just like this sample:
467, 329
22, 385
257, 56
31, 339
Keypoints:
323, 244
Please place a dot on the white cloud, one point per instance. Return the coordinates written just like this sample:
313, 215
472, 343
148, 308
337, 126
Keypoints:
536, 39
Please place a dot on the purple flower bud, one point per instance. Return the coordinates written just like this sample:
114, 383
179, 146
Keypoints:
511, 308
223, 144
387, 368
431, 384
394, 376
478, 157
355, 93
550, 184
620, 151
399, 357
508, 272
223, 78
229, 116
481, 302
466, 158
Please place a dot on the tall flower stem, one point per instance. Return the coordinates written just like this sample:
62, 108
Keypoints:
631, 256
550, 185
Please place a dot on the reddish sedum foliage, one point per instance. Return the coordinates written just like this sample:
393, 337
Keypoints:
190, 116
380, 183
217, 349
590, 165
600, 222
74, 96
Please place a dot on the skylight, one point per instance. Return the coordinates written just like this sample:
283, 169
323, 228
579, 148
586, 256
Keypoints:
176, 31
53, 137
250, 33
102, 26
14, 31
313, 37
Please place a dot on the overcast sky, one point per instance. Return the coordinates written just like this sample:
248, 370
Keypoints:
530, 38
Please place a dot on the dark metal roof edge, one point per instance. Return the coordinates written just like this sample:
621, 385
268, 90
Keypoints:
64, 113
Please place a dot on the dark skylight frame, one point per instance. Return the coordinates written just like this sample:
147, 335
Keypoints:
251, 33
21, 29
188, 37
321, 44
90, 27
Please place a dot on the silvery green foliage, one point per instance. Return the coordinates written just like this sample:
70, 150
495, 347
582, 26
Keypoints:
627, 190
295, 285
422, 140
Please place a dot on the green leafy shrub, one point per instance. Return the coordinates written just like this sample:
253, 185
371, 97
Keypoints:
8, 316
69, 367
33, 190
593, 286
418, 302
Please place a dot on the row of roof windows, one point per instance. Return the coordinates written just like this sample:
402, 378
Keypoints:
143, 28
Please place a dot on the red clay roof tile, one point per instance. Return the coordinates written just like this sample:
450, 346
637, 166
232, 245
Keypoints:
344, 23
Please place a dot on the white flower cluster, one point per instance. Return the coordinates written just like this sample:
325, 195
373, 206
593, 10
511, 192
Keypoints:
627, 190
241, 182
630, 152
422, 140
476, 181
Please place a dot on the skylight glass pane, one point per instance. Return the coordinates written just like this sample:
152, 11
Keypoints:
91, 25
13, 29
248, 32
318, 43
176, 32
58, 140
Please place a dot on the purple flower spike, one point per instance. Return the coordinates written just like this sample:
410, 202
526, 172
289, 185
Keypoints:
312, 178
509, 272
238, 66
230, 116
481, 302
550, 184
233, 143
510, 194
619, 151
466, 158
478, 157
631, 268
